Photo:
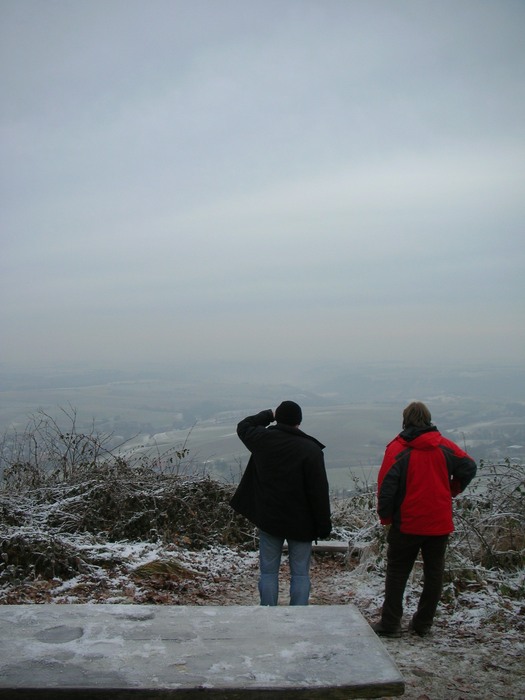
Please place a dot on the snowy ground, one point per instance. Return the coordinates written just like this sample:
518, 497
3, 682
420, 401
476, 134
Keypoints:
476, 650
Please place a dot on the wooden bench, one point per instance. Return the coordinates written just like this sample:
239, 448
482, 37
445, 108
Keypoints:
227, 652
326, 546
331, 547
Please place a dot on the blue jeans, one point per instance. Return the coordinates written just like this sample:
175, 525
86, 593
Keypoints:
299, 554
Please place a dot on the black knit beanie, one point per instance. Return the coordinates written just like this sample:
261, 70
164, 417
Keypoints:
289, 413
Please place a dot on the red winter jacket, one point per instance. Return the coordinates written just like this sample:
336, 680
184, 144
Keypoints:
420, 473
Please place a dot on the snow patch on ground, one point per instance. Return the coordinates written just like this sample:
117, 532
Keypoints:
476, 650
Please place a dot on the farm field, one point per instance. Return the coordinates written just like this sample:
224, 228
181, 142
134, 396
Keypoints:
355, 414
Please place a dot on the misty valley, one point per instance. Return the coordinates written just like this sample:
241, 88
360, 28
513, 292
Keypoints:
188, 418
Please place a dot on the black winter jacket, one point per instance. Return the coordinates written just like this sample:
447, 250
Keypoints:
284, 488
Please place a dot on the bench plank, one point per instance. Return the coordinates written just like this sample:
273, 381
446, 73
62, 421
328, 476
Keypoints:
229, 652
329, 546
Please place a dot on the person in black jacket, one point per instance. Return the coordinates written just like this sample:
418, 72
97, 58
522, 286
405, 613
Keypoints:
284, 493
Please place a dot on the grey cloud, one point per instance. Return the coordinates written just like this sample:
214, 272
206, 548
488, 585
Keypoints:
219, 165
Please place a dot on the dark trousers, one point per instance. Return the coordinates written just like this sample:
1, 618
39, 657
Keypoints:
401, 554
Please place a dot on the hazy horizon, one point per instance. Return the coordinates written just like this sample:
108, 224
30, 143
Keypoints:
354, 409
309, 181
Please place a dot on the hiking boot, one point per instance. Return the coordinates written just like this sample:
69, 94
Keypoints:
381, 631
420, 631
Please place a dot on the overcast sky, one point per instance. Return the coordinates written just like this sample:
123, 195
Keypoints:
248, 179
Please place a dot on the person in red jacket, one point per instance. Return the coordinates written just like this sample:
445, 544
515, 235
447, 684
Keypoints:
421, 472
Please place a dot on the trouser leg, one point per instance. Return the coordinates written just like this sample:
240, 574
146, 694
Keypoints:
433, 551
401, 555
300, 554
270, 550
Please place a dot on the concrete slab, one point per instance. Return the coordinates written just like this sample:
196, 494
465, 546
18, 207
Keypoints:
230, 652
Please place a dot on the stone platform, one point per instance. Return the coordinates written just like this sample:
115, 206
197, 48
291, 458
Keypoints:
227, 653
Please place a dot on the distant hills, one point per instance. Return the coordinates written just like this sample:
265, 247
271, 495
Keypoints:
355, 410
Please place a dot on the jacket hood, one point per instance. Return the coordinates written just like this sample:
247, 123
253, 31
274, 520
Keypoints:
420, 438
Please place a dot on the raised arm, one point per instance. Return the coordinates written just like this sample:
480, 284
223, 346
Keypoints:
252, 427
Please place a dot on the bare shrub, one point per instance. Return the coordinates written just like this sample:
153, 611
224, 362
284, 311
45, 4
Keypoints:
490, 518
31, 554
50, 451
488, 544
355, 520
66, 483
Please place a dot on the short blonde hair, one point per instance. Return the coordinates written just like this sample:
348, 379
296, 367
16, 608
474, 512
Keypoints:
416, 415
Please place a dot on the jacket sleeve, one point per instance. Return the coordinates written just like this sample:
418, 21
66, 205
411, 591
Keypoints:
387, 495
391, 482
318, 494
461, 467
250, 429
386, 492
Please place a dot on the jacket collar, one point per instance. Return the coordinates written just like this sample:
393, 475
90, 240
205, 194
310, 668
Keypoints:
412, 433
295, 431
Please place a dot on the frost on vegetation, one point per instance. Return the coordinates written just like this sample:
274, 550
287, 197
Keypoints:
68, 506
98, 527
487, 547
